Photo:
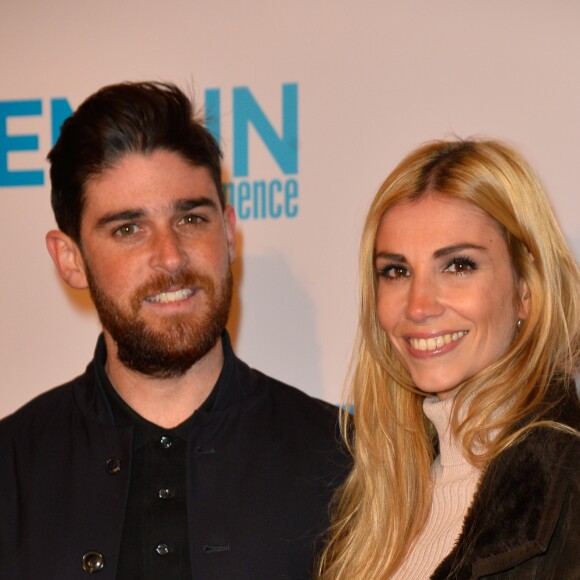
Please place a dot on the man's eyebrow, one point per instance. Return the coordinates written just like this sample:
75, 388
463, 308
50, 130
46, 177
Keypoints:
121, 216
181, 205
193, 203
456, 248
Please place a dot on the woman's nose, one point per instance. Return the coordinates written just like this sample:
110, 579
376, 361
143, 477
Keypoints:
423, 299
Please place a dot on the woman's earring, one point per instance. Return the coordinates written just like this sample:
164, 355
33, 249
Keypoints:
519, 324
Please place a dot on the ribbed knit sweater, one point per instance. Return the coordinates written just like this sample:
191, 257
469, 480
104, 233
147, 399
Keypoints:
454, 482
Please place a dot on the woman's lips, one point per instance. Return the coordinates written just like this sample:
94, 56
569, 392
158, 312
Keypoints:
435, 344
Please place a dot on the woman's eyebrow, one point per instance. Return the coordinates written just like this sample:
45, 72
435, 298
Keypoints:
442, 252
456, 248
393, 257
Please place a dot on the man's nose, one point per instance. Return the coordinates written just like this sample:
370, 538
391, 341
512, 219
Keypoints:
168, 252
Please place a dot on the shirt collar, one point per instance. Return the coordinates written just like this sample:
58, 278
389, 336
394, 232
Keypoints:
221, 395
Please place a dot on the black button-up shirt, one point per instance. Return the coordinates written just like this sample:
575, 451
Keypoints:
154, 544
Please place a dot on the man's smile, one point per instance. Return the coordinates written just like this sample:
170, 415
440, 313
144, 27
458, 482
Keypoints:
167, 297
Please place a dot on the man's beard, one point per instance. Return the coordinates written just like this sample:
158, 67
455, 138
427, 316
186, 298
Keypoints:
181, 339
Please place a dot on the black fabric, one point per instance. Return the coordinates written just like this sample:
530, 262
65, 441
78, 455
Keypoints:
154, 540
154, 543
523, 522
262, 462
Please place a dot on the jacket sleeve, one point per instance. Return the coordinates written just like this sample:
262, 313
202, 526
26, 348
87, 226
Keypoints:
561, 561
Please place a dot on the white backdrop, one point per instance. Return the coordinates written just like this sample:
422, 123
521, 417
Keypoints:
368, 80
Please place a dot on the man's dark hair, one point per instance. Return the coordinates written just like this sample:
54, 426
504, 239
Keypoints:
132, 117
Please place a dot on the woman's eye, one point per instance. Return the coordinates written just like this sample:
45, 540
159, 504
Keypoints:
461, 266
393, 272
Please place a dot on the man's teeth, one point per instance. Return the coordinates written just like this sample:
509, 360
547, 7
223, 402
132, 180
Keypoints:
436, 341
166, 297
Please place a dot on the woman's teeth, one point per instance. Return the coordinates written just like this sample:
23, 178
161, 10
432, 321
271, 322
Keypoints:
436, 341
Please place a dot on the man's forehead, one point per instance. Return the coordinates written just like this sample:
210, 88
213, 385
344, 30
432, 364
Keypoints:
137, 160
160, 181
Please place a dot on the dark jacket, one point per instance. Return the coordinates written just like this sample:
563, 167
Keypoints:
524, 522
255, 504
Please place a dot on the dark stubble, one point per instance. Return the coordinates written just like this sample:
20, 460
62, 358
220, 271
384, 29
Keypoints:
180, 340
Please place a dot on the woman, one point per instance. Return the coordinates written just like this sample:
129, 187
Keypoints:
466, 419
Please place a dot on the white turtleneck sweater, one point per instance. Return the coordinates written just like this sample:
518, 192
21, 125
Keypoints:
454, 481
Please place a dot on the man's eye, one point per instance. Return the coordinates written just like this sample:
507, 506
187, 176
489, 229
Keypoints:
393, 272
191, 219
461, 266
126, 230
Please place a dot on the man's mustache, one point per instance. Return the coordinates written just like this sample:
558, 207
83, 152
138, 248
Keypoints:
165, 283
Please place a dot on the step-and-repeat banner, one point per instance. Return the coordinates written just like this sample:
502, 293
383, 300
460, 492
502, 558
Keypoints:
314, 101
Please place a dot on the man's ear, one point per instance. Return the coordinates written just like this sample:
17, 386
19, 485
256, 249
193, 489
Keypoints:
67, 258
230, 229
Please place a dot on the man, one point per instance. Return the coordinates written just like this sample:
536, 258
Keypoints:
169, 457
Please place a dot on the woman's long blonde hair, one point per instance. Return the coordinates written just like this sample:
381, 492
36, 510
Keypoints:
384, 503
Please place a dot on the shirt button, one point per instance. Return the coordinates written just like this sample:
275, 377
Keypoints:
163, 549
113, 465
165, 441
166, 493
93, 562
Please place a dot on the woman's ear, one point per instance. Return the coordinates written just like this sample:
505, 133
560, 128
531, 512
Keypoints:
67, 258
524, 302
